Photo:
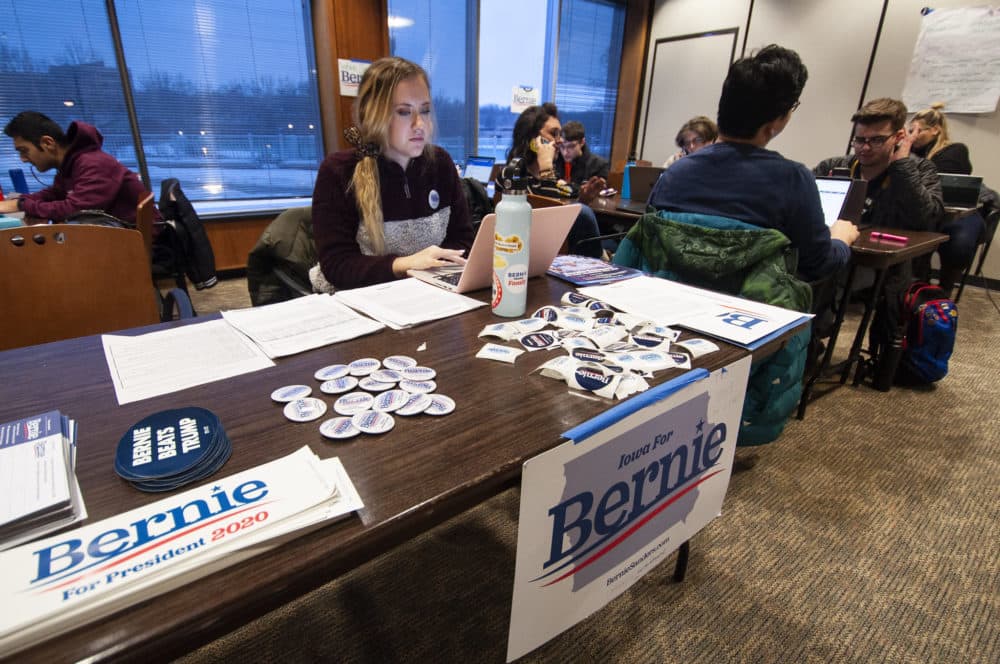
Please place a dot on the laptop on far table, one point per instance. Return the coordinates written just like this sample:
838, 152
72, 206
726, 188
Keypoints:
842, 198
478, 168
641, 180
960, 191
549, 228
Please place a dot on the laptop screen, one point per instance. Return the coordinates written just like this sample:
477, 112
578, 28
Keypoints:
832, 192
479, 168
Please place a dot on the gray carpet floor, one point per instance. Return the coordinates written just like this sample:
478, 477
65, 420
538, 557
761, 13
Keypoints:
870, 532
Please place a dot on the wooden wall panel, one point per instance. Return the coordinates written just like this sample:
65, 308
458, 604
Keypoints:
232, 239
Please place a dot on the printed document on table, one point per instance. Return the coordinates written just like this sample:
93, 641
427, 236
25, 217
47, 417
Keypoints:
162, 362
406, 302
734, 319
300, 324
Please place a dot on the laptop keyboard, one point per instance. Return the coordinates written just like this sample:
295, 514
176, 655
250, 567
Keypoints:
450, 278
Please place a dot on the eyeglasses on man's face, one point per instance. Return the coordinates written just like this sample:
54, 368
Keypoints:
873, 141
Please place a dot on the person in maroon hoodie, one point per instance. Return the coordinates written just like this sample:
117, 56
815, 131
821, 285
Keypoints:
87, 178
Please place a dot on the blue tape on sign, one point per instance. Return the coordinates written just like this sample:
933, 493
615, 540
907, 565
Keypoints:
583, 431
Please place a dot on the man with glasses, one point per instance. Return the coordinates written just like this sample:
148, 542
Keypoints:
575, 162
904, 191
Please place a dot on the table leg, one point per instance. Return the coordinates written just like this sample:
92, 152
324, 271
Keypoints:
682, 561
838, 320
866, 319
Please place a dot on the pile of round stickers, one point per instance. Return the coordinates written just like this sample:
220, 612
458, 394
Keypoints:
172, 448
393, 386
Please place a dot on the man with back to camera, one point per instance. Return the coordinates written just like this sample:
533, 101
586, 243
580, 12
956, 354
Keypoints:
575, 153
87, 178
737, 177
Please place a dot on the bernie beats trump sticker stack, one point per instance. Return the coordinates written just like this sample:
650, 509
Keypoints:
172, 448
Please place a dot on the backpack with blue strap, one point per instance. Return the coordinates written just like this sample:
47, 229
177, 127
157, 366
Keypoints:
932, 321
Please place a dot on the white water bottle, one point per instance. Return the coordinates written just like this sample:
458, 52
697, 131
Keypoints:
511, 244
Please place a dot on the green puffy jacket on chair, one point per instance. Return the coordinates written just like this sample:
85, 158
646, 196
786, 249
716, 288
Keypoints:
740, 259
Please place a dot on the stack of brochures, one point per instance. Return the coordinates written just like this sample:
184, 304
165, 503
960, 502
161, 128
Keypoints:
64, 581
39, 493
585, 271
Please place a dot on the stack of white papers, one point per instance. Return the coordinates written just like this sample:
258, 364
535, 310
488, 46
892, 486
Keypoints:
39, 493
300, 324
406, 302
736, 320
162, 362
62, 582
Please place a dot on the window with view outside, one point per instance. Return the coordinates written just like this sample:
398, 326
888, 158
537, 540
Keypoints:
434, 34
225, 91
568, 50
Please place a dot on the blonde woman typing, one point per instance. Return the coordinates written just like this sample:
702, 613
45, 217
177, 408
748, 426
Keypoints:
394, 202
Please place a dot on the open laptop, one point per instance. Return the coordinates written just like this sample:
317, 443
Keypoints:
960, 191
549, 228
479, 168
641, 180
842, 198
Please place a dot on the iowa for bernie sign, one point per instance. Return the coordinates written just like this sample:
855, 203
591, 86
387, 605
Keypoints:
600, 511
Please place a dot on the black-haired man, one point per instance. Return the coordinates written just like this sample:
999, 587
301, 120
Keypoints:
87, 178
575, 162
738, 178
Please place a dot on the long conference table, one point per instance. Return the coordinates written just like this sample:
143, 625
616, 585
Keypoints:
421, 473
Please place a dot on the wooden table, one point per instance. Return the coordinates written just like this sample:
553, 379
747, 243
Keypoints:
412, 478
879, 256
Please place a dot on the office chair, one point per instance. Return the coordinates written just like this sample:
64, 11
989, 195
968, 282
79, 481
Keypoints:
278, 265
66, 280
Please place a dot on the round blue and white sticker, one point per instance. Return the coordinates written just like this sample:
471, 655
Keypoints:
305, 410
339, 428
387, 376
390, 401
291, 393
588, 355
591, 379
419, 373
546, 313
417, 404
169, 444
418, 386
572, 297
398, 362
355, 402
372, 385
440, 405
373, 422
363, 367
537, 340
331, 372
434, 199
339, 385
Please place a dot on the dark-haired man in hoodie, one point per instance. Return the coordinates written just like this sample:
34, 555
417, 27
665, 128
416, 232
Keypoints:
87, 178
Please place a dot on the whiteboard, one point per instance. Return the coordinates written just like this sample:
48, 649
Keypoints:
685, 80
